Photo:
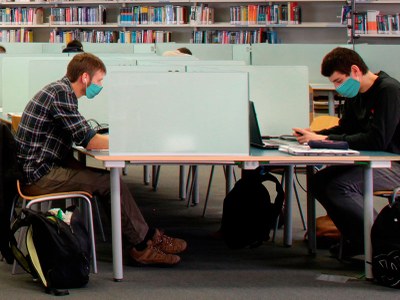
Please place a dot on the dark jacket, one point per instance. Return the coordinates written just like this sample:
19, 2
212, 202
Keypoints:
371, 120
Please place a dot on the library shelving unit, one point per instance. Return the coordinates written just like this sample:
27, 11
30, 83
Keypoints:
183, 21
375, 21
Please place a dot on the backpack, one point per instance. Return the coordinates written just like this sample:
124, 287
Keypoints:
248, 214
385, 239
56, 253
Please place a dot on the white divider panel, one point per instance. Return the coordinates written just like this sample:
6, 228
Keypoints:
20, 76
280, 95
201, 51
309, 55
381, 58
188, 61
178, 113
116, 48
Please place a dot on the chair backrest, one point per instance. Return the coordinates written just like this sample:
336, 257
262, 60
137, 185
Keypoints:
15, 120
324, 122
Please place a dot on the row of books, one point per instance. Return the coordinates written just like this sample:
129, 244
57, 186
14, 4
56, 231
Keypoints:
201, 14
21, 16
16, 36
168, 14
89, 36
78, 15
234, 37
284, 13
144, 36
108, 36
373, 21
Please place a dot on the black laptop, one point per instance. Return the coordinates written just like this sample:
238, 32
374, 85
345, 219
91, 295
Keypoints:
256, 139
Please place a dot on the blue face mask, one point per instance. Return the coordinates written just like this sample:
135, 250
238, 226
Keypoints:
349, 88
93, 90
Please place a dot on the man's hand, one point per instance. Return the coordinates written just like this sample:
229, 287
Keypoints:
306, 135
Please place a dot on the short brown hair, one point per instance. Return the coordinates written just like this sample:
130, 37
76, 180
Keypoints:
84, 62
184, 50
340, 60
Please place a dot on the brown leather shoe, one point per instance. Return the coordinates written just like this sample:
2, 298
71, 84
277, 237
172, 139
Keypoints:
168, 244
153, 256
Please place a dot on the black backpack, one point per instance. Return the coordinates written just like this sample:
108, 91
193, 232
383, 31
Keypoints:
385, 239
56, 253
248, 214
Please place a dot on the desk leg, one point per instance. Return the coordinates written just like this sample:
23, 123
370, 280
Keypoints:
311, 229
146, 175
182, 182
196, 191
116, 223
331, 103
368, 218
287, 234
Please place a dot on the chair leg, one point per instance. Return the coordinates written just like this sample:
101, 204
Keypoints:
208, 189
299, 206
19, 240
98, 217
297, 200
156, 176
193, 175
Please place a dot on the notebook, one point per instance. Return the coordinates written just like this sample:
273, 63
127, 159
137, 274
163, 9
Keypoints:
256, 139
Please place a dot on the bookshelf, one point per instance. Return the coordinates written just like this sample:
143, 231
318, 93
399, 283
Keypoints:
375, 21
140, 22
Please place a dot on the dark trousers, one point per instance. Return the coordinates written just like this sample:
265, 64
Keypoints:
74, 176
340, 191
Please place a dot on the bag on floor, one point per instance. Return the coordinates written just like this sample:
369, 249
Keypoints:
385, 239
248, 214
327, 233
56, 253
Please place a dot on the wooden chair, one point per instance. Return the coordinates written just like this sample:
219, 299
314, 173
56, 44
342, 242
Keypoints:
15, 120
29, 201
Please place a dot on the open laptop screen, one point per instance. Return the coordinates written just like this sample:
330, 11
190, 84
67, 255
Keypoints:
255, 134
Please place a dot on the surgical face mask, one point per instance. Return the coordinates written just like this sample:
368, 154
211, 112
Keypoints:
93, 90
349, 88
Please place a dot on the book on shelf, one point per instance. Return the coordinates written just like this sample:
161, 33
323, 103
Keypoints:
200, 14
345, 16
372, 26
360, 20
388, 24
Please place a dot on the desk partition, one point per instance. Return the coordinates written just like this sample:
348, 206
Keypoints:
178, 113
381, 58
98, 48
187, 61
280, 95
24, 76
310, 55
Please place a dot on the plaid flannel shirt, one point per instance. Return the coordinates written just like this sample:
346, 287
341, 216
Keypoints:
49, 126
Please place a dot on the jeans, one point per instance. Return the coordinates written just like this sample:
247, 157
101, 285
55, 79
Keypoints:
75, 176
340, 191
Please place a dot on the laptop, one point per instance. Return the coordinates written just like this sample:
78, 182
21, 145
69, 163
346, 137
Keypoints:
256, 139
305, 150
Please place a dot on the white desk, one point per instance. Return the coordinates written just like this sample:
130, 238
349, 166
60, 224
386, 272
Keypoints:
368, 160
